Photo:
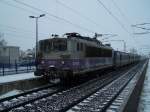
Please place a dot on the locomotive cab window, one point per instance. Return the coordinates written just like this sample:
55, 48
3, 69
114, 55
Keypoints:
45, 46
59, 45
53, 45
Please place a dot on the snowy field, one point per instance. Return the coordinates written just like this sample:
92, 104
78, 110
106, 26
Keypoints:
11, 78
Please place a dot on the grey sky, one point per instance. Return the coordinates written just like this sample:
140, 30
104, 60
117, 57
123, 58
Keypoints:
19, 29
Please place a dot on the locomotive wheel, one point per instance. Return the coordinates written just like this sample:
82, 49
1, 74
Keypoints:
46, 78
67, 78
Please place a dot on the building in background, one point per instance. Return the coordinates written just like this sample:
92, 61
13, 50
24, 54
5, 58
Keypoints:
9, 55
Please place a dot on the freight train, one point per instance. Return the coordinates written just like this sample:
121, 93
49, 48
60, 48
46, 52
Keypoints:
74, 55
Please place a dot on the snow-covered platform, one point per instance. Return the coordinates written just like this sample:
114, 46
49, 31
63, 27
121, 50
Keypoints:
21, 82
16, 77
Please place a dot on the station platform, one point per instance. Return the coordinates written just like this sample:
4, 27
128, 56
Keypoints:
13, 84
16, 77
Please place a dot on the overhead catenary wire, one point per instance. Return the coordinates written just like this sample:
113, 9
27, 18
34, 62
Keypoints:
78, 13
20, 33
26, 10
121, 13
20, 30
116, 19
141, 33
12, 5
124, 17
141, 27
52, 15
142, 24
14, 35
17, 33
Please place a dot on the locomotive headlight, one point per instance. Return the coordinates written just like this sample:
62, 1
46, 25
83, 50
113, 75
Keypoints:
42, 62
62, 62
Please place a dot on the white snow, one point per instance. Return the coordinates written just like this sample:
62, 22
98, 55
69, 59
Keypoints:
11, 78
10, 93
144, 104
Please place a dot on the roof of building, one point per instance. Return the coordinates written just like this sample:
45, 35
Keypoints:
9, 47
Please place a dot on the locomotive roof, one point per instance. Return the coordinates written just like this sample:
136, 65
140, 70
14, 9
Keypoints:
89, 39
78, 36
84, 38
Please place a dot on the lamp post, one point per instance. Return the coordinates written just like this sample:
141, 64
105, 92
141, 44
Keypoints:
36, 44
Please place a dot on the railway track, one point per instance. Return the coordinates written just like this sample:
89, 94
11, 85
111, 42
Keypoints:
101, 100
11, 102
59, 100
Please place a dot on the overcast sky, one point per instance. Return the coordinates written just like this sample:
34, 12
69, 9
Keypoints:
84, 17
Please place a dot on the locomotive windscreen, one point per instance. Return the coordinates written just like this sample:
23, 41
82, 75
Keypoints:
60, 45
49, 45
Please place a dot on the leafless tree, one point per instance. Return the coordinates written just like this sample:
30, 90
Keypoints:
2, 40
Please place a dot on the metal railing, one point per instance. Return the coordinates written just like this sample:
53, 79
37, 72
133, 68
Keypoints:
7, 69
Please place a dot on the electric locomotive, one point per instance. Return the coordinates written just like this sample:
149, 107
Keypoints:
72, 55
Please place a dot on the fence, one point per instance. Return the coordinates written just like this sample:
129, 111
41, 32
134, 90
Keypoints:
7, 69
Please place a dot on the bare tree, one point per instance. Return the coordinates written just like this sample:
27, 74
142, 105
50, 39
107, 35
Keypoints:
2, 41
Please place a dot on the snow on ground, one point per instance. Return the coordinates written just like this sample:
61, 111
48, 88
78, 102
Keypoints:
10, 93
11, 78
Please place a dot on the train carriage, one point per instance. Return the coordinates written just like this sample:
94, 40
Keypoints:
122, 58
